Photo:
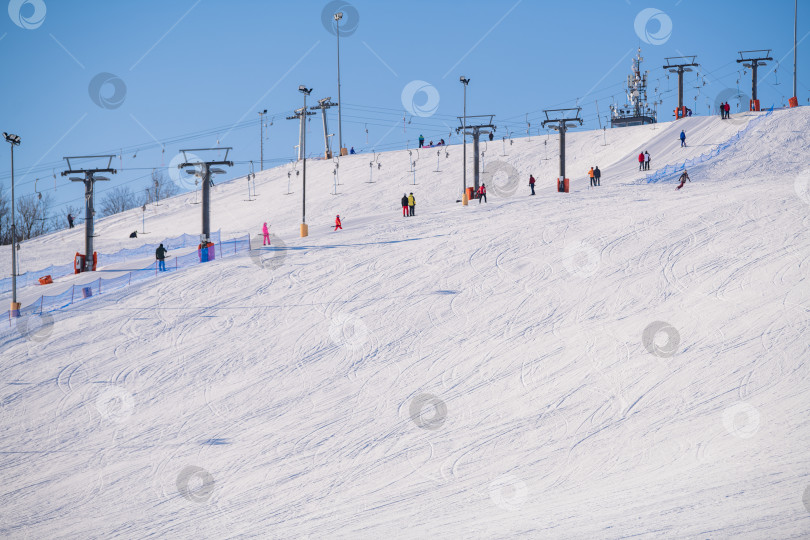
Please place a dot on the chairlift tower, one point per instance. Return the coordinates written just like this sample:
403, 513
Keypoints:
752, 60
203, 171
636, 112
323, 105
89, 180
301, 116
563, 120
680, 65
476, 130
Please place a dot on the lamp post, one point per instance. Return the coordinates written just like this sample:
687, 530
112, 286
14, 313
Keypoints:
261, 135
304, 230
338, 16
13, 140
465, 82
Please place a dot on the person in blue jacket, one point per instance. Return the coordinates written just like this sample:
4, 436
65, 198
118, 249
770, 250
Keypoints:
683, 139
352, 150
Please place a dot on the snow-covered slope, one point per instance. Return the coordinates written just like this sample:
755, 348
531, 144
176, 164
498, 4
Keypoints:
627, 360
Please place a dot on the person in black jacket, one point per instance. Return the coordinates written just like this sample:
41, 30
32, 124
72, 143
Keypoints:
160, 255
597, 174
404, 202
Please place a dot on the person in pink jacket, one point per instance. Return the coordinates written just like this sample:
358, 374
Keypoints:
266, 233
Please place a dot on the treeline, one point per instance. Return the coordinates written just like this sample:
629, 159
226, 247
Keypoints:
36, 215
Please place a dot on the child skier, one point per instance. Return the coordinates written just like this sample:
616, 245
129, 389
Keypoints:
266, 235
337, 223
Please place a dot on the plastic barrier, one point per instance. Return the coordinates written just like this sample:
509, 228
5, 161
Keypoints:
670, 170
87, 291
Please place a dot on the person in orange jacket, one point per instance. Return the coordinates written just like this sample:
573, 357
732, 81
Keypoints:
337, 223
590, 174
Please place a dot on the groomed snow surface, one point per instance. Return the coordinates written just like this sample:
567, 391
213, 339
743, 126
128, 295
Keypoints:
629, 360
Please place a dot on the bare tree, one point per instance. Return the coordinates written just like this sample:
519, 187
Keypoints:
162, 187
60, 221
32, 215
117, 200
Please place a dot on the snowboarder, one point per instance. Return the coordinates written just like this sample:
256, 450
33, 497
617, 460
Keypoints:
337, 223
683, 139
641, 161
590, 175
133, 234
684, 177
531, 183
727, 108
352, 150
421, 141
404, 205
412, 204
482, 193
265, 235
646, 160
70, 220
597, 175
160, 255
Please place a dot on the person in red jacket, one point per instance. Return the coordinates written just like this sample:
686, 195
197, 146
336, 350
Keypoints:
482, 193
337, 223
531, 183
727, 108
640, 161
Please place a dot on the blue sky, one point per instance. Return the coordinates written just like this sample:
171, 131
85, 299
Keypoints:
194, 73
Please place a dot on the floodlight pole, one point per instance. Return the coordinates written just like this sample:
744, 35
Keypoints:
680, 68
322, 105
338, 16
465, 82
795, 19
205, 176
261, 135
753, 64
562, 126
13, 140
89, 181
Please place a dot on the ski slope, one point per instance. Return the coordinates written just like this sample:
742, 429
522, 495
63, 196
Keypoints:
489, 371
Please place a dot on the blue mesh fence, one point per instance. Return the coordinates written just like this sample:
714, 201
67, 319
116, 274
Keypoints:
77, 293
671, 170
147, 250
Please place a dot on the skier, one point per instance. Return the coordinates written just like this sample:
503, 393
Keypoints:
404, 205
590, 175
266, 235
482, 193
70, 220
646, 160
723, 111
411, 204
352, 150
727, 108
597, 175
337, 223
160, 255
421, 140
684, 177
531, 183
683, 139
641, 161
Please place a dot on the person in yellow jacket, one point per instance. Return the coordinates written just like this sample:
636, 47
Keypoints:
590, 174
412, 204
